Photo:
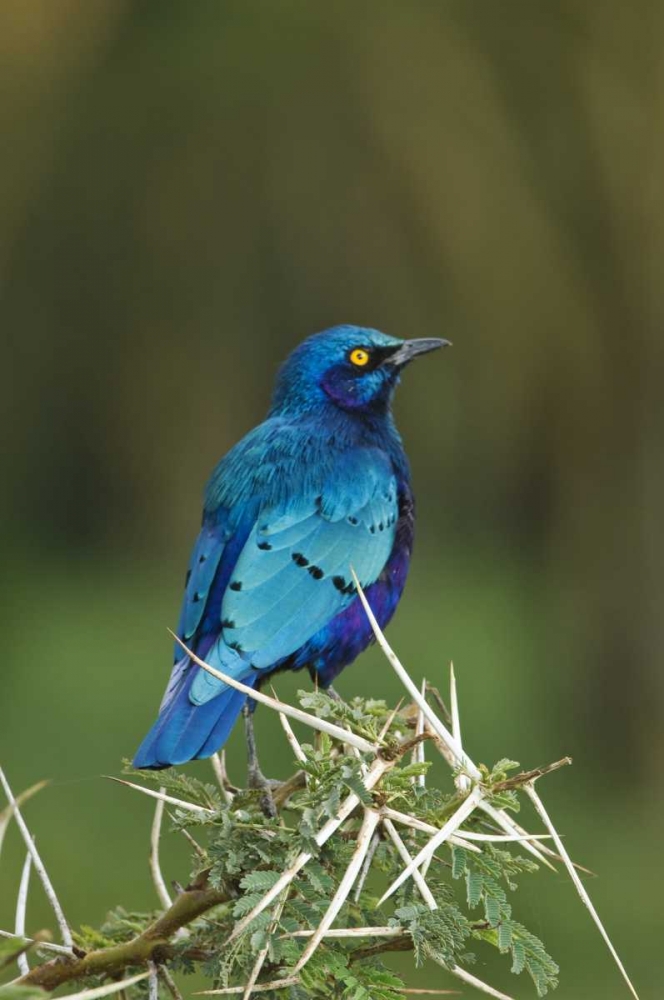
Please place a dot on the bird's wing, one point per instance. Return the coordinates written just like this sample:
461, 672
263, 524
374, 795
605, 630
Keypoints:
293, 573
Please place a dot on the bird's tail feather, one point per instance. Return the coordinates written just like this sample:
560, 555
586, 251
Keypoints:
185, 732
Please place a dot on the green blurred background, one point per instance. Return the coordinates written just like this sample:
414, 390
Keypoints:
186, 191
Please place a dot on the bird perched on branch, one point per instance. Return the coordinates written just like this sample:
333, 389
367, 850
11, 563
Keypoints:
322, 485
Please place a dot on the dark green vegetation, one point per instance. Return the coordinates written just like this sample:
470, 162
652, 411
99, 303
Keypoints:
188, 189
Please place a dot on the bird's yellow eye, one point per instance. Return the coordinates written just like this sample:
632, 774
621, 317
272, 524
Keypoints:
359, 357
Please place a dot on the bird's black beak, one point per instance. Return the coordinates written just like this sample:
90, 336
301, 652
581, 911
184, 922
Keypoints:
413, 348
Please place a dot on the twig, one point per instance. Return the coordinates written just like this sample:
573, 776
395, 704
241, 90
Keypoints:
263, 953
525, 776
21, 905
578, 884
171, 985
153, 984
200, 852
67, 939
295, 713
157, 877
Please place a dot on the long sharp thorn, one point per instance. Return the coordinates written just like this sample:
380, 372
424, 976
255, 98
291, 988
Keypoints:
180, 803
441, 730
500, 817
108, 990
65, 932
295, 713
276, 984
373, 775
418, 751
578, 884
453, 823
292, 739
417, 824
21, 906
364, 838
478, 983
218, 766
424, 890
462, 781
155, 868
351, 932
8, 811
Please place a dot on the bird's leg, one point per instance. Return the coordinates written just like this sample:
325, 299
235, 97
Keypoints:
334, 695
256, 778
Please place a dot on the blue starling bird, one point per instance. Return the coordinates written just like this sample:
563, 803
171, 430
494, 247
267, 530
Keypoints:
322, 485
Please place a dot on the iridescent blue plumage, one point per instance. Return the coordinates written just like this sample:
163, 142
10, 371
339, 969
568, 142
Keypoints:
322, 485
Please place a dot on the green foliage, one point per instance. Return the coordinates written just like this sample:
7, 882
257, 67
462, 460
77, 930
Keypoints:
246, 852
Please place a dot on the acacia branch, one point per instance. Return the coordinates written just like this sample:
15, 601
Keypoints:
152, 944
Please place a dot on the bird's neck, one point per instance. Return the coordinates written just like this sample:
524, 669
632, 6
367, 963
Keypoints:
343, 429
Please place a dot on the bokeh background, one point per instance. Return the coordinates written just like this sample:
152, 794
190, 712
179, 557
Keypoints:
188, 189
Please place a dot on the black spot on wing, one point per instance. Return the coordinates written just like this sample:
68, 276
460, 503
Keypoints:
236, 585
316, 572
227, 623
202, 559
342, 585
264, 546
236, 646
300, 560
196, 598
187, 578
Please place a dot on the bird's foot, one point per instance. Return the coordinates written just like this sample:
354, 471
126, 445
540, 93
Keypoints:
255, 777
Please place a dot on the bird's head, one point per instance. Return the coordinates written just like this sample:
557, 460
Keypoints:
353, 367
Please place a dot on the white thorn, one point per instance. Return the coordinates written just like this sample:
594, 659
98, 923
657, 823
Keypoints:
180, 803
21, 905
351, 932
219, 767
373, 847
417, 824
462, 781
105, 991
505, 821
157, 877
67, 939
153, 984
292, 739
276, 984
46, 945
8, 811
279, 706
424, 890
585, 898
453, 823
369, 823
478, 983
438, 727
418, 751
374, 774
262, 955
